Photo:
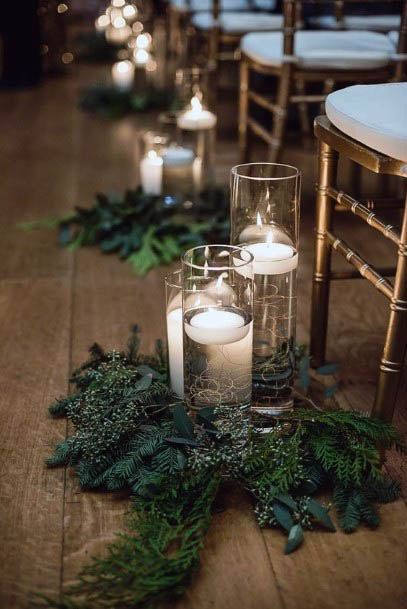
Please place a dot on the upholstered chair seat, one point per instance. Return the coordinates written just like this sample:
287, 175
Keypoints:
344, 50
238, 22
375, 115
376, 23
225, 5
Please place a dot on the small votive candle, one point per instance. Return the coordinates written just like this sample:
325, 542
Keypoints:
151, 173
196, 118
123, 75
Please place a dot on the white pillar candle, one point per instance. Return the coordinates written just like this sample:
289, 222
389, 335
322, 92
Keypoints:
196, 118
123, 75
175, 351
151, 173
177, 156
216, 326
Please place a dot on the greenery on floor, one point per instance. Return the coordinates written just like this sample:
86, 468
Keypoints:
130, 432
145, 230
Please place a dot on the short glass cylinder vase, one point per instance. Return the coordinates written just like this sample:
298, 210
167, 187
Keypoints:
265, 222
173, 295
217, 294
188, 81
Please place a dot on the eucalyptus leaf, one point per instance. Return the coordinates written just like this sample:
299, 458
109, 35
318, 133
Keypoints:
144, 383
282, 515
286, 500
183, 423
295, 539
320, 514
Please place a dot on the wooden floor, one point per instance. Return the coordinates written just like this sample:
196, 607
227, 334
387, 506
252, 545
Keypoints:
54, 304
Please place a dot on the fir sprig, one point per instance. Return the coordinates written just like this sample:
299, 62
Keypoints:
131, 433
145, 230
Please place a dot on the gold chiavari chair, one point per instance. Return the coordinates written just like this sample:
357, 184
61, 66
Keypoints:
180, 12
297, 58
367, 124
221, 30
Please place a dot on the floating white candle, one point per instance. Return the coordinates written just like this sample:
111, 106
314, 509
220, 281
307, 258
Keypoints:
175, 351
272, 258
123, 75
177, 155
197, 118
216, 326
151, 173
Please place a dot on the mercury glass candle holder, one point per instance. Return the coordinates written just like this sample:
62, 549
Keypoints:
264, 221
173, 293
217, 294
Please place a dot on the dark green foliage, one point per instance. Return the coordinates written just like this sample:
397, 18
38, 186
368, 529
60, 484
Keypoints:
145, 230
132, 434
109, 102
155, 560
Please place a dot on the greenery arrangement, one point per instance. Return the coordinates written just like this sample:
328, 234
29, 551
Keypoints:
130, 433
109, 102
145, 230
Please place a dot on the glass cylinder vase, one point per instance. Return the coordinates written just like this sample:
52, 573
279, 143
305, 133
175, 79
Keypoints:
173, 294
265, 221
217, 294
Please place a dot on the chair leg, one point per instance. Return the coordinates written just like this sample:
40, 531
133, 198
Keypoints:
243, 110
280, 115
302, 108
328, 163
391, 363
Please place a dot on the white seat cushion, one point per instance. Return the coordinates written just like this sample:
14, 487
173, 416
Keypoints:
375, 115
314, 49
376, 23
394, 38
225, 5
238, 23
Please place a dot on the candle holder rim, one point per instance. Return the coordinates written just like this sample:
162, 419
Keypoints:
169, 283
296, 172
217, 268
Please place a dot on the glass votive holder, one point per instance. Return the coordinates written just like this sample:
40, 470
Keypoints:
197, 130
173, 294
217, 295
187, 82
265, 221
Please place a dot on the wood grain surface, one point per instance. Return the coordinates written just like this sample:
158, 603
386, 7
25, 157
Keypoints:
54, 304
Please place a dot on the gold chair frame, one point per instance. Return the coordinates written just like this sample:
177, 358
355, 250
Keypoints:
333, 143
292, 80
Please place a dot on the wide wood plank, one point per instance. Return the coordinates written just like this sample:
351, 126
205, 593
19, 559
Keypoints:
34, 364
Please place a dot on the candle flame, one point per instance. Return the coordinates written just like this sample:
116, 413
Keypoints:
152, 154
258, 221
219, 282
206, 252
269, 238
206, 268
196, 104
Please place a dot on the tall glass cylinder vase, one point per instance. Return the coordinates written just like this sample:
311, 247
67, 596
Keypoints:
217, 295
173, 293
265, 222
